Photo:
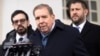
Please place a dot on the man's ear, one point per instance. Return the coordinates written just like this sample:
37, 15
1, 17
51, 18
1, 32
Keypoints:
53, 16
86, 12
28, 23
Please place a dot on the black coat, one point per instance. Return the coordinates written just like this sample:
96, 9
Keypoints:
62, 41
12, 35
91, 38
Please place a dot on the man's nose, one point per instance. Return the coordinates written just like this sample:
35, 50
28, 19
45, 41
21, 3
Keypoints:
41, 20
19, 23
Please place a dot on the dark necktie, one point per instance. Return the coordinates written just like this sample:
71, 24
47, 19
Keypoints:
44, 41
77, 27
20, 39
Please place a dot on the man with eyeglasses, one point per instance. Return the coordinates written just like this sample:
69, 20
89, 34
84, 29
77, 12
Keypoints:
22, 31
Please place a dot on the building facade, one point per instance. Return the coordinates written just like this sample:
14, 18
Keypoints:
59, 8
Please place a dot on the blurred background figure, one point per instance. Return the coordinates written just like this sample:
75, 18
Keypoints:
78, 12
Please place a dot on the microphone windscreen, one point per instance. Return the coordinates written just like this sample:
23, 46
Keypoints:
8, 44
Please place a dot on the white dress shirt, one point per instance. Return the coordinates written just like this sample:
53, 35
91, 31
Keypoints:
25, 39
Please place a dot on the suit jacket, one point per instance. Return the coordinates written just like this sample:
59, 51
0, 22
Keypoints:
91, 38
62, 41
12, 36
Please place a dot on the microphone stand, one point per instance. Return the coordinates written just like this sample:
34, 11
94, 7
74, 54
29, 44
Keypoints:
28, 53
7, 52
10, 52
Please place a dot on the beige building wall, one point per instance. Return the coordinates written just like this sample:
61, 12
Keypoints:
98, 4
98, 13
0, 21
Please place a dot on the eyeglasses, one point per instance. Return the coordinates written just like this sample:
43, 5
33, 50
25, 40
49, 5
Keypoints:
21, 21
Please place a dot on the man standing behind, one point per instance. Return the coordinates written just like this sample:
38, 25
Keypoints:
22, 29
78, 11
56, 38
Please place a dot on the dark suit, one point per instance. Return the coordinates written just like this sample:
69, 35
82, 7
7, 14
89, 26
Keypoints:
62, 41
91, 38
12, 35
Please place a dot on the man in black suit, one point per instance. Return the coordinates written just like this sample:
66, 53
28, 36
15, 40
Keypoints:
22, 31
56, 38
78, 11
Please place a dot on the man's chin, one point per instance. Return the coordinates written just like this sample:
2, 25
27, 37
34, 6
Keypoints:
43, 31
75, 21
21, 32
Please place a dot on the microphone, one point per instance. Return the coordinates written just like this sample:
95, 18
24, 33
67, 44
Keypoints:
23, 45
8, 44
22, 48
8, 47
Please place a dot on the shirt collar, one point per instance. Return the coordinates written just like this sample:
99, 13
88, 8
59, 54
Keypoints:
80, 26
18, 36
